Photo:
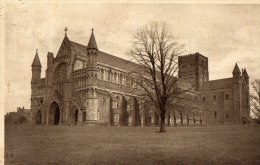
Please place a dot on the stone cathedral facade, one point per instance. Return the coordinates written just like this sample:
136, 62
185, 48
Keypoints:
84, 85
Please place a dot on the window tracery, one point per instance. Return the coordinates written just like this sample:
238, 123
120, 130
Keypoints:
61, 76
62, 73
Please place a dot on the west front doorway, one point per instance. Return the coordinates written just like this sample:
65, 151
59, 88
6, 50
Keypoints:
54, 114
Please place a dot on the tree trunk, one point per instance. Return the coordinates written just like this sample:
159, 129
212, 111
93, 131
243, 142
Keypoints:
174, 119
162, 124
188, 120
169, 119
181, 118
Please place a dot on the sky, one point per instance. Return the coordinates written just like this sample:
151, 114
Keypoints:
226, 34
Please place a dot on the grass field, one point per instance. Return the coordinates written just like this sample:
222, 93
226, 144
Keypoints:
81, 145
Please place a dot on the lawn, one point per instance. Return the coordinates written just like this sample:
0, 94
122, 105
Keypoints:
81, 145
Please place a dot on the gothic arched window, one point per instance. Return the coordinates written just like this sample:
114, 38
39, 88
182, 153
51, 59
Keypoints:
61, 76
61, 73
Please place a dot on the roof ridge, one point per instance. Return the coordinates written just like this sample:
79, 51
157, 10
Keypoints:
79, 43
106, 53
118, 57
221, 79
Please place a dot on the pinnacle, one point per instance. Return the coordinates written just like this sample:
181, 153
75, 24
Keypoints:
245, 73
65, 30
236, 70
36, 60
92, 41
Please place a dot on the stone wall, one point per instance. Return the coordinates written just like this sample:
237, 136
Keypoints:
104, 108
220, 105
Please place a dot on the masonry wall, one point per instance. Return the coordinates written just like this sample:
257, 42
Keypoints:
187, 69
104, 108
220, 106
245, 101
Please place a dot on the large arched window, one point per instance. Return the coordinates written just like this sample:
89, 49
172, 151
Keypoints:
60, 76
62, 73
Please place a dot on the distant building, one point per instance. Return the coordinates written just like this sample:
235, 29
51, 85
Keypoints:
84, 86
21, 116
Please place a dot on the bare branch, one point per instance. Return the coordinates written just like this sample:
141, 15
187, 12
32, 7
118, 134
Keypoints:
157, 51
255, 99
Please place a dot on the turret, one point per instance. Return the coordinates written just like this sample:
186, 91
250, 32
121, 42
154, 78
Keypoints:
92, 50
245, 75
245, 95
236, 72
36, 67
50, 58
92, 69
91, 84
48, 72
237, 94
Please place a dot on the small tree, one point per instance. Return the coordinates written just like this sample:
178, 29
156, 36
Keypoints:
157, 51
255, 99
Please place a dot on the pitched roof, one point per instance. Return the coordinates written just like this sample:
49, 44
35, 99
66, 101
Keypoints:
117, 62
36, 60
107, 58
218, 84
80, 49
236, 69
92, 41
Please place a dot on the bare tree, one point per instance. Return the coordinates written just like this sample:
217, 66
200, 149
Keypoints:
157, 51
255, 99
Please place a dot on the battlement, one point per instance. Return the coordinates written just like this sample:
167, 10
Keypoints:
22, 110
191, 56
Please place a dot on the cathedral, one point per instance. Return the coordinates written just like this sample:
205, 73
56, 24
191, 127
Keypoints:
86, 86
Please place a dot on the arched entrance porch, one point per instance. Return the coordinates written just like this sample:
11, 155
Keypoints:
75, 115
54, 114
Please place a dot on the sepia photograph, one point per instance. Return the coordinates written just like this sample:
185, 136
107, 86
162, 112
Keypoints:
130, 82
